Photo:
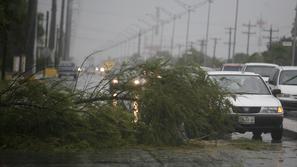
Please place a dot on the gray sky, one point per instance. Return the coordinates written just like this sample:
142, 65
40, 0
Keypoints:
100, 23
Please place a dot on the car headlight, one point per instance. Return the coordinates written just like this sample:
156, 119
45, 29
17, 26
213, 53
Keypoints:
278, 109
102, 69
115, 81
136, 82
284, 95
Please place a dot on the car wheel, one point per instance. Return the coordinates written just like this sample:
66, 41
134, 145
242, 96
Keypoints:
257, 136
277, 134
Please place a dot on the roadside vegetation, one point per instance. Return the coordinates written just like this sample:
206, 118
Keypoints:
174, 103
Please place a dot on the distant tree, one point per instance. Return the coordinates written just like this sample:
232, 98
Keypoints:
241, 58
256, 57
278, 54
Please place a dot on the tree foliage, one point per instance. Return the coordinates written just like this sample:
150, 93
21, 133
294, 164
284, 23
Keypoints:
180, 103
174, 102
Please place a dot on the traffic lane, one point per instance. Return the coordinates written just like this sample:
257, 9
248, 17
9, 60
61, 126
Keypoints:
276, 154
84, 82
291, 115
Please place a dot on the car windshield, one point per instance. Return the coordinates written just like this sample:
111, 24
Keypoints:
264, 71
241, 84
288, 77
232, 68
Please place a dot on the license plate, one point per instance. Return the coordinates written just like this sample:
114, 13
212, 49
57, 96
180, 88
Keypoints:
246, 120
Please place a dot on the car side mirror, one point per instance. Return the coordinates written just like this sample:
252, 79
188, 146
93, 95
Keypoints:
271, 82
276, 92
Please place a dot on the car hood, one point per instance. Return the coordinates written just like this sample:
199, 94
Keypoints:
288, 89
255, 101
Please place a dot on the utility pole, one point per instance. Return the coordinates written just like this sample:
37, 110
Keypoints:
139, 43
270, 37
4, 43
249, 33
179, 50
46, 29
188, 28
31, 36
214, 49
189, 10
202, 46
68, 29
172, 35
157, 19
294, 34
235, 30
61, 54
207, 31
229, 43
52, 34
162, 33
174, 17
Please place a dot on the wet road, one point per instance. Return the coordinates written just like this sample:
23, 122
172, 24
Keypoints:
275, 155
223, 153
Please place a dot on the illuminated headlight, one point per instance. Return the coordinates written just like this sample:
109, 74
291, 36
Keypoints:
96, 69
102, 69
115, 81
272, 109
284, 95
79, 69
136, 82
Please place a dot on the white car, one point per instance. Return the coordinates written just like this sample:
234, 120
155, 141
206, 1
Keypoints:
255, 107
231, 67
266, 70
285, 79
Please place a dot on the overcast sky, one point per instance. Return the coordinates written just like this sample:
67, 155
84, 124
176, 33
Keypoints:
98, 24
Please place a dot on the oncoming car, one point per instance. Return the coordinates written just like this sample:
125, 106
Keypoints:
231, 67
254, 106
67, 68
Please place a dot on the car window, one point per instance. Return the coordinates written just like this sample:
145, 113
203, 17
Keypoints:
231, 68
288, 77
241, 84
275, 76
264, 71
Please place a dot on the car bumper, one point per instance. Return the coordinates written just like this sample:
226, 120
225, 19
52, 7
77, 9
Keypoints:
289, 104
263, 123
